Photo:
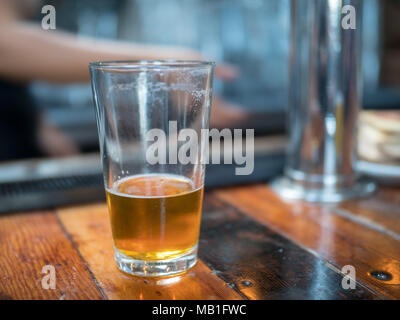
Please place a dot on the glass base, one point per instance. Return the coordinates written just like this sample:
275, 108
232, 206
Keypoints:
292, 190
161, 268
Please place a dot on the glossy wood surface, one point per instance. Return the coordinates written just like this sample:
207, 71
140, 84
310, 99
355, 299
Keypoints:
252, 245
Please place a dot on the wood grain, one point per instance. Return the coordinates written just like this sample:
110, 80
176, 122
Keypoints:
30, 241
338, 238
89, 229
253, 245
382, 211
262, 264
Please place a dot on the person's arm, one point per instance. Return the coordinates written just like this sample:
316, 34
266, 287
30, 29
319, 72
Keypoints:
27, 52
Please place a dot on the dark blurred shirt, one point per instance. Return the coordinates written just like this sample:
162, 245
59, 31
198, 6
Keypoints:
18, 122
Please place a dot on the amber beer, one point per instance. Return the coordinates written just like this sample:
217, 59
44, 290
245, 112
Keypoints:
155, 216
154, 201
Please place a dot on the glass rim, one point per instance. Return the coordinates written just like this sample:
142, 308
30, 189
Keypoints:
150, 64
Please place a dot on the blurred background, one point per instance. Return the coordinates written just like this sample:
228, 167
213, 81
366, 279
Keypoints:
250, 35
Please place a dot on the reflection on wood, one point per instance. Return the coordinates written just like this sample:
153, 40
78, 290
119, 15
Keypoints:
328, 233
253, 245
262, 264
89, 228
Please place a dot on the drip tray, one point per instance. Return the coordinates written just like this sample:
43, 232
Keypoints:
40, 184
51, 192
43, 184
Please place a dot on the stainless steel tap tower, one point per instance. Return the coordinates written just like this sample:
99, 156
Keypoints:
324, 102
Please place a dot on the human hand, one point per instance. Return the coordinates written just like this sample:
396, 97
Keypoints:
53, 142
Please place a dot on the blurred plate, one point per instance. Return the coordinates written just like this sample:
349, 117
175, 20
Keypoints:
382, 173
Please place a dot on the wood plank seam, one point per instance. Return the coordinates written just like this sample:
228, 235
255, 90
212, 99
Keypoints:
69, 237
218, 274
364, 222
264, 281
311, 251
331, 266
359, 282
89, 226
370, 251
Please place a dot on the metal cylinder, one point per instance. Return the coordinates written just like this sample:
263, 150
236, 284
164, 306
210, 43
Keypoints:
324, 102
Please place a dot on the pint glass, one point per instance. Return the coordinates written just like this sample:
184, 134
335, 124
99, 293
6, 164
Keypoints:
325, 99
153, 174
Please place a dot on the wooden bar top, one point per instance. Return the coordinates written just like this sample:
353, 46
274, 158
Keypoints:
252, 245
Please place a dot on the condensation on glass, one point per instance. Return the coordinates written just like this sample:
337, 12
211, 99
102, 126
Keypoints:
154, 207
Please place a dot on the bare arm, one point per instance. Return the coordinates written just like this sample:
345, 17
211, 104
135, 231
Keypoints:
27, 52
